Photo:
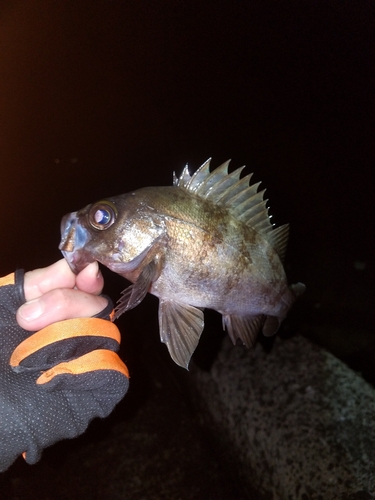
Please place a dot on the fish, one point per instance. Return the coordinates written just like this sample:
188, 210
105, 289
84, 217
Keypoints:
206, 241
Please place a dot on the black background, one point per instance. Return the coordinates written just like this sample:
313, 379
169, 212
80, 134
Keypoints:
123, 93
103, 97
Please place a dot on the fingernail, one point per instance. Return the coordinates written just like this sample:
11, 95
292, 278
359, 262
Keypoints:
98, 272
31, 310
93, 269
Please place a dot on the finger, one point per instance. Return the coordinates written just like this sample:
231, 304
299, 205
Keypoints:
57, 305
59, 275
90, 279
40, 281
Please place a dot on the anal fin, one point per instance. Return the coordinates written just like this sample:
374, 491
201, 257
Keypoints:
180, 326
134, 294
271, 325
245, 328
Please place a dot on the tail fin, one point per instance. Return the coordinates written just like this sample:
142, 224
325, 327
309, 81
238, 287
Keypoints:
298, 289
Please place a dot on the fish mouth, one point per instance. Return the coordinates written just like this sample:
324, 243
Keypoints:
73, 241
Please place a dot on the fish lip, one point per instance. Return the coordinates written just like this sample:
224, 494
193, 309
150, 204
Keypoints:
74, 237
67, 230
77, 260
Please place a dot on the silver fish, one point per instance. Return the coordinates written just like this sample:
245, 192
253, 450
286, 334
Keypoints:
205, 242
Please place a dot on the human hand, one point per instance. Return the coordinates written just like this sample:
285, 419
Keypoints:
55, 381
55, 293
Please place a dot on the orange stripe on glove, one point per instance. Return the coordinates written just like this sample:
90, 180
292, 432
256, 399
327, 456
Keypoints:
101, 359
7, 280
64, 330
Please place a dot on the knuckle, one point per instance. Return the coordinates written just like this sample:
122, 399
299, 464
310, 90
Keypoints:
61, 298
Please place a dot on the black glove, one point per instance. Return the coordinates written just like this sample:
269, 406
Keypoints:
55, 381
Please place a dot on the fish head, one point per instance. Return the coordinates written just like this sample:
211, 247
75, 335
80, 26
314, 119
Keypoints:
117, 232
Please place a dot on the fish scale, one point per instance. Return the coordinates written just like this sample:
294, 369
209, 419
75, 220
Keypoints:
205, 242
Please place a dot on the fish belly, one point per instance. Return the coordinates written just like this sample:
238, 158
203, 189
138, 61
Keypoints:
207, 272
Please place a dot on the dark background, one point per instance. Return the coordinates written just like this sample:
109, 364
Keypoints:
102, 97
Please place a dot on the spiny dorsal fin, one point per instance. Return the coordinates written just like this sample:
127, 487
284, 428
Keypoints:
184, 178
242, 200
278, 238
199, 176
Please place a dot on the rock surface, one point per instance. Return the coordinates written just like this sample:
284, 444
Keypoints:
296, 421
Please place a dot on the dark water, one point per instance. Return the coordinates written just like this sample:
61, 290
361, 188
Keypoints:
101, 97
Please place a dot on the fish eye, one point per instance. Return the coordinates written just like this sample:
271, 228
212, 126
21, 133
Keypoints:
102, 215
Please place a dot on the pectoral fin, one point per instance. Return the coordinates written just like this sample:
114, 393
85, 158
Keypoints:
245, 328
181, 326
134, 294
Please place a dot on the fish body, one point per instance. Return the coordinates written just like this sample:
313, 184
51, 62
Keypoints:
205, 242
